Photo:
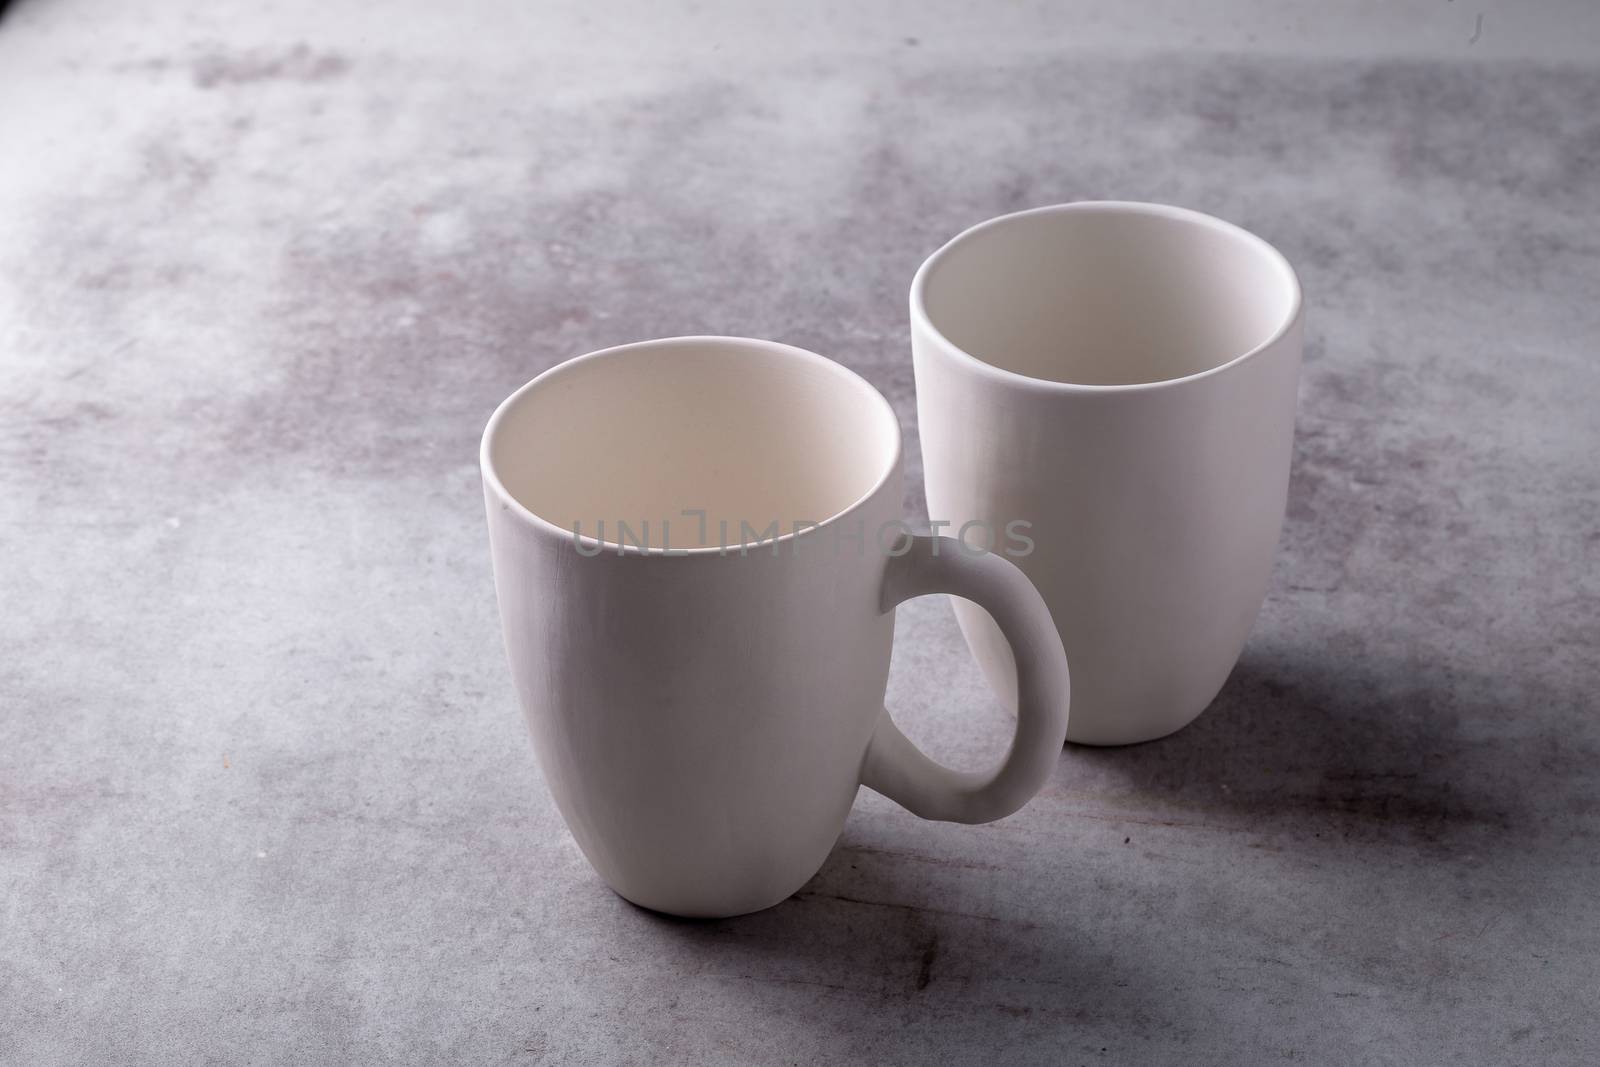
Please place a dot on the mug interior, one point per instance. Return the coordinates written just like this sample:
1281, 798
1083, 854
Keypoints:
1104, 294
749, 432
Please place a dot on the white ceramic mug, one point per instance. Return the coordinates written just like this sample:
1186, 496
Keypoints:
1123, 377
705, 699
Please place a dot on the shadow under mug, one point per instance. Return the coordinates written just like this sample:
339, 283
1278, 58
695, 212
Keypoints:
1122, 376
704, 688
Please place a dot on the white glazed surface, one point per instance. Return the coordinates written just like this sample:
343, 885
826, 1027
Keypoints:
1123, 377
703, 719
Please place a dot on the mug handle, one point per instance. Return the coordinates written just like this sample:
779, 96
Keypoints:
895, 767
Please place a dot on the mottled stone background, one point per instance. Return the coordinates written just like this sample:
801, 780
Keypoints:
266, 269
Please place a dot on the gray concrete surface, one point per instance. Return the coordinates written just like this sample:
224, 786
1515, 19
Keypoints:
264, 792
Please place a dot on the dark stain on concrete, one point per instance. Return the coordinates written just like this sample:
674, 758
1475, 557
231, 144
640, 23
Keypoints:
930, 954
300, 63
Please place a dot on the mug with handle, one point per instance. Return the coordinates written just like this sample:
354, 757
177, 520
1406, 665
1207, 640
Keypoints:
697, 553
1121, 376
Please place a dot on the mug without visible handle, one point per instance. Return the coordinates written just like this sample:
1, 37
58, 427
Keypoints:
704, 715
1123, 377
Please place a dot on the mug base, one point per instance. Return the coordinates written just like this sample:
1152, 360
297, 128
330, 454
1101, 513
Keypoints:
700, 915
1112, 730
1097, 718
1116, 739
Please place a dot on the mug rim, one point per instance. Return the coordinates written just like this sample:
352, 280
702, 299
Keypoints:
921, 320
850, 378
